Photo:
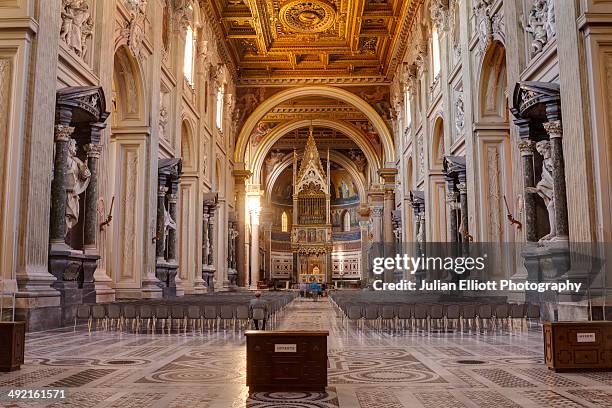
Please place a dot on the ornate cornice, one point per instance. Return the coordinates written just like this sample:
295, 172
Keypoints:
406, 31
224, 52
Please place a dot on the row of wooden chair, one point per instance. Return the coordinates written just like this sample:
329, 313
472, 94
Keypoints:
471, 316
178, 316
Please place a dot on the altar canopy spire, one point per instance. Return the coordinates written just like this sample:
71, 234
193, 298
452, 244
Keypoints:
311, 174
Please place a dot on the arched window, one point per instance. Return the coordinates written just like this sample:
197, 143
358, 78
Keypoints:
435, 50
219, 113
284, 222
346, 222
188, 61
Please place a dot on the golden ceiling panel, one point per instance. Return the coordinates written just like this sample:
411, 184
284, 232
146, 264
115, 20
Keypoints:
283, 42
307, 16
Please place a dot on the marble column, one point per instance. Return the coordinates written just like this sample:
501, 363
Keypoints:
172, 202
377, 247
91, 204
241, 252
527, 148
57, 230
377, 221
463, 207
388, 206
555, 132
233, 241
389, 236
451, 200
364, 226
205, 243
254, 261
160, 243
211, 236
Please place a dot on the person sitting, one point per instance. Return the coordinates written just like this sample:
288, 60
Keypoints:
259, 311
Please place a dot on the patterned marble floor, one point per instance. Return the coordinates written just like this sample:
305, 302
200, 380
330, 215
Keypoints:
368, 369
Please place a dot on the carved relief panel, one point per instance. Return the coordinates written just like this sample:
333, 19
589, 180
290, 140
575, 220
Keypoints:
77, 28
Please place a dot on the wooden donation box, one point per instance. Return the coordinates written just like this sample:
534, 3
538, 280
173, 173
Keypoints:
12, 345
578, 345
286, 360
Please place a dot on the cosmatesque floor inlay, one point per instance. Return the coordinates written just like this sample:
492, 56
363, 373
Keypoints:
368, 368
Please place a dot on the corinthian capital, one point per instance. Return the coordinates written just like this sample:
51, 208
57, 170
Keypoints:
93, 150
526, 147
63, 133
554, 128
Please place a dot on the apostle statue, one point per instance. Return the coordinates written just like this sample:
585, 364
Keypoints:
544, 188
77, 180
169, 224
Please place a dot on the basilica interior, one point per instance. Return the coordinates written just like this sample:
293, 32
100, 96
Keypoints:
190, 150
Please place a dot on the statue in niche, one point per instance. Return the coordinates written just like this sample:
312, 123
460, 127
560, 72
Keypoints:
544, 188
76, 25
77, 180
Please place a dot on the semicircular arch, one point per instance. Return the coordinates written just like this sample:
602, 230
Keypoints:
319, 90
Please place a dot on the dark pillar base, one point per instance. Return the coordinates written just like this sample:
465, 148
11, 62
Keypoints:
166, 273
208, 275
71, 296
74, 272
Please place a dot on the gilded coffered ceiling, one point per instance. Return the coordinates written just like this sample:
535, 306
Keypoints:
287, 41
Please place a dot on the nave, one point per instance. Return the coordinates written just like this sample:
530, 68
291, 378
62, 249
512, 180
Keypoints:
366, 367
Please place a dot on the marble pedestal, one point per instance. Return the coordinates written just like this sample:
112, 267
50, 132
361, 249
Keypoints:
166, 274
208, 275
74, 272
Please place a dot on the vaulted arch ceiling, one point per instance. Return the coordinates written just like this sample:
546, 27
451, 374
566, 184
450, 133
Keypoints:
266, 145
335, 157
